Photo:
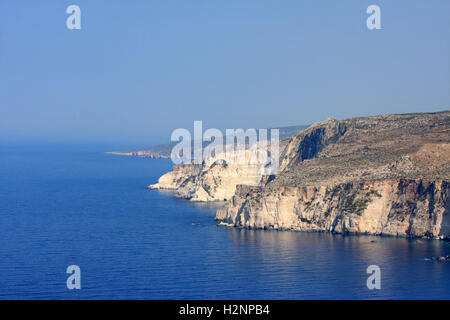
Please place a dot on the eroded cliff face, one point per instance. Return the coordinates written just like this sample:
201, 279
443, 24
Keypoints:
309, 143
175, 178
218, 182
398, 207
215, 182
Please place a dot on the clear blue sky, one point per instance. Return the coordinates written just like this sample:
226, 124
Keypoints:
139, 69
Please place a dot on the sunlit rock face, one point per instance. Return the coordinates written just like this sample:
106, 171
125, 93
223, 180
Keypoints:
175, 178
396, 207
214, 180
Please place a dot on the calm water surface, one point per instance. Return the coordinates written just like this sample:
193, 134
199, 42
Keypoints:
67, 206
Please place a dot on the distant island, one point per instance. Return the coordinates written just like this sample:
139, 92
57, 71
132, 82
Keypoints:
381, 175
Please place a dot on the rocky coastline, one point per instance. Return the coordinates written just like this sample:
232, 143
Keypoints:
383, 175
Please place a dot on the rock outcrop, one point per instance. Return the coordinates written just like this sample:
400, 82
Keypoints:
215, 181
218, 182
175, 178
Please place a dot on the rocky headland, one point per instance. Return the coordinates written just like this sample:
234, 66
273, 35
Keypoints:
382, 175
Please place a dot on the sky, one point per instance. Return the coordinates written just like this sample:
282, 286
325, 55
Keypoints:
137, 70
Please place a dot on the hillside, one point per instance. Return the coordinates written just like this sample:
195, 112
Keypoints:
415, 146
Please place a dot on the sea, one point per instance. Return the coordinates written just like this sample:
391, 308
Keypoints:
71, 205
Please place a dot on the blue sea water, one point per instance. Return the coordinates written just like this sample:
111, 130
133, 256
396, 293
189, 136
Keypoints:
61, 206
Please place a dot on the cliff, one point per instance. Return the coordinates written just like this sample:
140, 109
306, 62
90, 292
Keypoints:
215, 181
397, 207
383, 175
